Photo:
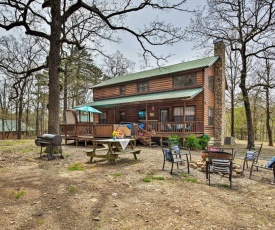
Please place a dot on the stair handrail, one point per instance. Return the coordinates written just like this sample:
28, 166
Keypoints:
140, 132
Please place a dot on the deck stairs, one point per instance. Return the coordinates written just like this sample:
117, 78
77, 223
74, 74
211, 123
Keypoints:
145, 137
147, 141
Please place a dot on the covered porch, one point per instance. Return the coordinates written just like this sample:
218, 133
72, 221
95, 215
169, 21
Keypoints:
152, 129
144, 117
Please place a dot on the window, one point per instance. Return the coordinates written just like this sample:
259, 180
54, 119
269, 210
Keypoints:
142, 114
122, 116
210, 116
142, 87
211, 82
122, 90
178, 114
190, 112
103, 118
184, 80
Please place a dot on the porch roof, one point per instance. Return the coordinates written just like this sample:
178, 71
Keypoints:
184, 94
189, 65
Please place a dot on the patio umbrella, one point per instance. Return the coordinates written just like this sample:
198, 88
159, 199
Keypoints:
86, 108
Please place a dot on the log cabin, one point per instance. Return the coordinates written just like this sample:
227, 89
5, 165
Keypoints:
185, 98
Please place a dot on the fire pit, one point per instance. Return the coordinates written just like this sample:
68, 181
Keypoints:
216, 155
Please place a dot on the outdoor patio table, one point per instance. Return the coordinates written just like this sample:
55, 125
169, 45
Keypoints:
114, 148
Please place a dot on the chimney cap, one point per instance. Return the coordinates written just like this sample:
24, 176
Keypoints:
217, 40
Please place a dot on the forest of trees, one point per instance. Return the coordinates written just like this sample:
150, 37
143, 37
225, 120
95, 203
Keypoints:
48, 65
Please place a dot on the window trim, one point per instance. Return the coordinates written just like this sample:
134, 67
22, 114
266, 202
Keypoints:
209, 118
190, 115
122, 116
103, 120
184, 75
142, 118
122, 92
144, 87
182, 116
212, 86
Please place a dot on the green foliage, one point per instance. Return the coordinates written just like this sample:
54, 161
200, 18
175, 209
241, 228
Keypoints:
203, 141
78, 68
146, 179
158, 177
116, 174
19, 194
76, 166
173, 139
225, 185
189, 179
192, 142
72, 188
149, 178
40, 222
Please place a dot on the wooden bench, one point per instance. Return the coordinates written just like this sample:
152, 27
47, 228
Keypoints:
130, 151
92, 151
113, 156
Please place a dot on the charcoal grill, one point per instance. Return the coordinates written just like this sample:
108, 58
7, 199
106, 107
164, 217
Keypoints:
49, 140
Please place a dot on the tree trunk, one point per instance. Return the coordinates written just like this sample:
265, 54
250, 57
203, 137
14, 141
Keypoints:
268, 128
232, 115
54, 63
38, 130
249, 124
19, 120
65, 90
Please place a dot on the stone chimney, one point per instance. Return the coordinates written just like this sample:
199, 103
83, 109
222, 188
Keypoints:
219, 116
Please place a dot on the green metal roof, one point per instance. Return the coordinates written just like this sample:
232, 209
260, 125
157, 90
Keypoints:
199, 63
188, 94
10, 126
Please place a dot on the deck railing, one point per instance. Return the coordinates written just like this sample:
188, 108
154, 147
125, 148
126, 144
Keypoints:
174, 127
153, 127
79, 129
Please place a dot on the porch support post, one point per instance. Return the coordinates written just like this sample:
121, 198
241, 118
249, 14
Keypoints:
184, 111
114, 115
146, 118
183, 126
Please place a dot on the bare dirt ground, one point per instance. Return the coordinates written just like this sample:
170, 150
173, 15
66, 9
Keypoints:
40, 194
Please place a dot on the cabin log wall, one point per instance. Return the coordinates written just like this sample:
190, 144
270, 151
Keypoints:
155, 85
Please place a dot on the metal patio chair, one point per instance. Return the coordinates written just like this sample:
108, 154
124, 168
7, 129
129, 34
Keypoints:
173, 157
214, 164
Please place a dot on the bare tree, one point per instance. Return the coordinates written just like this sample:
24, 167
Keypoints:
103, 16
247, 27
232, 76
265, 72
116, 65
19, 55
3, 103
40, 96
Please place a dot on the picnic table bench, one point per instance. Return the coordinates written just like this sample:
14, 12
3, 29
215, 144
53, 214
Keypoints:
112, 149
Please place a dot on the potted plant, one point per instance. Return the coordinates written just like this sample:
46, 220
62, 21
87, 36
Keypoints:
192, 142
173, 139
203, 141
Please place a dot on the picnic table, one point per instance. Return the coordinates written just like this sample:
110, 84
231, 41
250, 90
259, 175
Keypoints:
113, 148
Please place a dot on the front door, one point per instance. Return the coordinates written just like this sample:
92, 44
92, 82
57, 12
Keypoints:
163, 118
164, 115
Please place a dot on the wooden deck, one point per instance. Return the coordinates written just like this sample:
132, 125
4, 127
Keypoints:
77, 139
150, 129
